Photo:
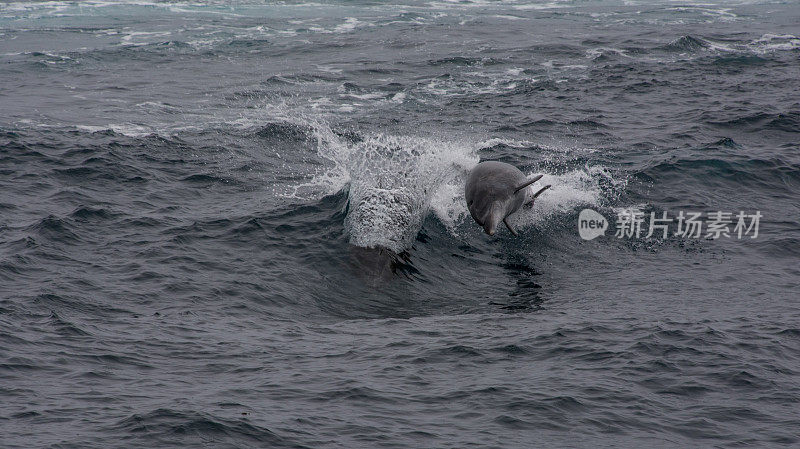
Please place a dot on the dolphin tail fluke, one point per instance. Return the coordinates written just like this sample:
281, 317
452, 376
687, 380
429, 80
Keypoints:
527, 183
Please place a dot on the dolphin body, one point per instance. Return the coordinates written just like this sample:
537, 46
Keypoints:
495, 190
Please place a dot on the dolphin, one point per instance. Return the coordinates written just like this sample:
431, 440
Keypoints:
495, 190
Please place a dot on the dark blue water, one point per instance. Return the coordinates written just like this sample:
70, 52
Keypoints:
242, 224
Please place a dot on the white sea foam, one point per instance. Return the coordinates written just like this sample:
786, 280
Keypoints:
399, 97
127, 129
593, 53
767, 43
539, 5
367, 96
133, 37
775, 42
508, 142
55, 8
508, 17
349, 24
328, 69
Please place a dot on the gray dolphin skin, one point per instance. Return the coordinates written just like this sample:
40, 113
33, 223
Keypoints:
495, 190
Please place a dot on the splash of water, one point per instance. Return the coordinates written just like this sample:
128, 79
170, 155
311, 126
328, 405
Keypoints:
394, 182
589, 186
391, 181
577, 188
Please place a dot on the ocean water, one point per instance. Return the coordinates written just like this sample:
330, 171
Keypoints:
242, 224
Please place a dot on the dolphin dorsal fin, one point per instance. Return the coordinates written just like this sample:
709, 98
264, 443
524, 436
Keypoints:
527, 183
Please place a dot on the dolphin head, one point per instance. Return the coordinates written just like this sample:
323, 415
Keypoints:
487, 206
493, 214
